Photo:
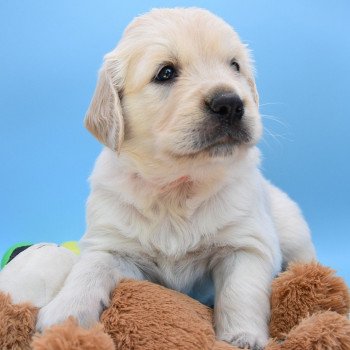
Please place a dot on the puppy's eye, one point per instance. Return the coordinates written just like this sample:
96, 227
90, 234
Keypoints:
235, 65
165, 74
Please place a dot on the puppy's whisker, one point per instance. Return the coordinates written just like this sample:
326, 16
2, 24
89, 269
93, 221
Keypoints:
265, 141
275, 136
270, 103
273, 118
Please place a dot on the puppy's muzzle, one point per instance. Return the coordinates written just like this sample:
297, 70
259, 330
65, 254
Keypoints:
227, 107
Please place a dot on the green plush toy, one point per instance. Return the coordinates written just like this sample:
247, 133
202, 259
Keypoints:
13, 252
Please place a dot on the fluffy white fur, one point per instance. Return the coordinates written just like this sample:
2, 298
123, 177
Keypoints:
163, 208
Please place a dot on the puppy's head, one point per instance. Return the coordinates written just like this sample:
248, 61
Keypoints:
179, 84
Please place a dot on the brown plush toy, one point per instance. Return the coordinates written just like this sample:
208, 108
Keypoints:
309, 308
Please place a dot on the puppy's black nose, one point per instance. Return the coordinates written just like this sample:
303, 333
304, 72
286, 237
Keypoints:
228, 107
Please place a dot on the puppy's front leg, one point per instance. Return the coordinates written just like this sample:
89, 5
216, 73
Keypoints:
86, 291
242, 285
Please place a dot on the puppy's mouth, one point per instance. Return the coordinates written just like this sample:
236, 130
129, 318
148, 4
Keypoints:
220, 140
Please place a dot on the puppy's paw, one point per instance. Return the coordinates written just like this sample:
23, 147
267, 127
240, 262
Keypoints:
60, 309
246, 340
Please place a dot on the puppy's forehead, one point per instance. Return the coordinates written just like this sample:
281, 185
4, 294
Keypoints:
178, 36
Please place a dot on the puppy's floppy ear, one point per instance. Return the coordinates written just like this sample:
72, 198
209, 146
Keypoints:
251, 74
104, 118
252, 85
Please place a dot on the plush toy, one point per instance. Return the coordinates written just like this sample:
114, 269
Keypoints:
309, 308
13, 251
35, 273
17, 248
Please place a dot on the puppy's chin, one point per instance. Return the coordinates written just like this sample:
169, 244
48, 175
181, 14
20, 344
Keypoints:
223, 147
219, 150
222, 142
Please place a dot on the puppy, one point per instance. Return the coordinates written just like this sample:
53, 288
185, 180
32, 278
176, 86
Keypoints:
177, 196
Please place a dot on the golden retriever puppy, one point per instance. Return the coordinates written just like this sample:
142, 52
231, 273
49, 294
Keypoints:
177, 196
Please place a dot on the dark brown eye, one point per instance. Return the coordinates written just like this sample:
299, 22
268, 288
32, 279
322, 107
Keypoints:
235, 65
165, 74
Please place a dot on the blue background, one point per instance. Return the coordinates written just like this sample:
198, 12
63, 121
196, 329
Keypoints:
50, 52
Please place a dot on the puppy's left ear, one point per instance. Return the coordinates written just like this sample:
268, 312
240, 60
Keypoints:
250, 75
252, 85
104, 118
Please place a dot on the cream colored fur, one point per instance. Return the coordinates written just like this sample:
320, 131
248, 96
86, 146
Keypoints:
163, 208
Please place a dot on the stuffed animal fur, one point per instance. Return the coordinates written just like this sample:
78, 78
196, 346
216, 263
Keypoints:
309, 308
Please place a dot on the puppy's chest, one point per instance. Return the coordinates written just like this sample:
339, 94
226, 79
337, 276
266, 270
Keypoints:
174, 233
